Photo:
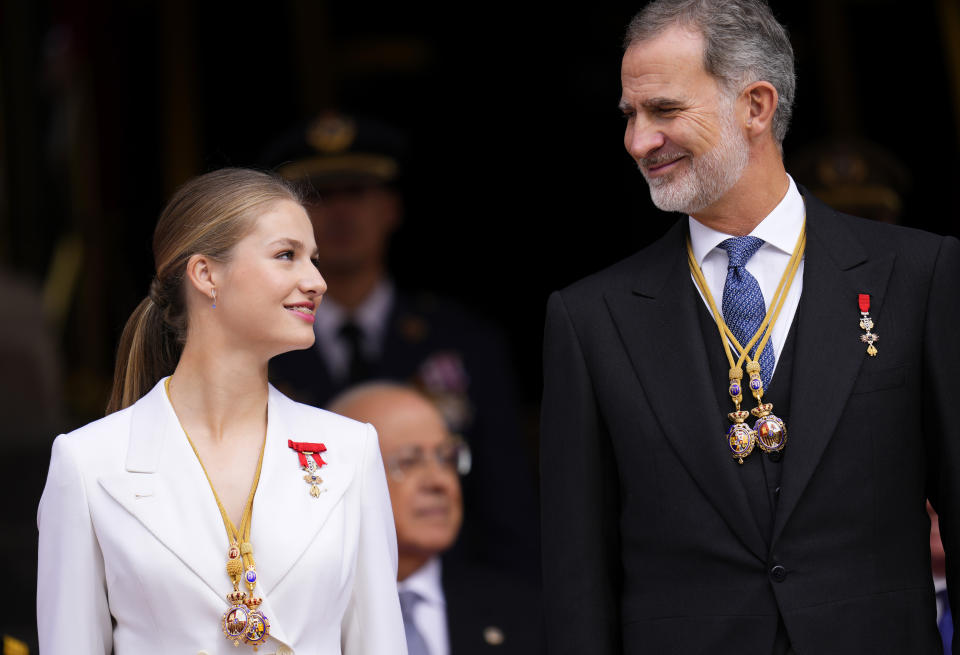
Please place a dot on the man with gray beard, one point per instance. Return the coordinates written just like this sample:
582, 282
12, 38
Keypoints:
732, 460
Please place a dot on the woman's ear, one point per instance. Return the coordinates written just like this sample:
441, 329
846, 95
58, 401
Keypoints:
201, 276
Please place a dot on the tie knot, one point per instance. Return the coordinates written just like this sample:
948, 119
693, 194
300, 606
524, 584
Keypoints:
351, 332
740, 249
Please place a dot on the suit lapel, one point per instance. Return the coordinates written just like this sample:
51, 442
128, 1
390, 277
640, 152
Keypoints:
286, 518
659, 326
828, 350
165, 488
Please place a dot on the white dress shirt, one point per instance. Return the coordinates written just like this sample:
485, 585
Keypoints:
430, 614
939, 584
371, 316
779, 231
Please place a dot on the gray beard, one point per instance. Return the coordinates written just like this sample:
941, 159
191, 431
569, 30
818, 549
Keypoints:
707, 178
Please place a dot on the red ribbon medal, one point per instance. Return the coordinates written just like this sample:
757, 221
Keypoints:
866, 324
311, 466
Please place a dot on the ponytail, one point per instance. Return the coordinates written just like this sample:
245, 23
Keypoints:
149, 350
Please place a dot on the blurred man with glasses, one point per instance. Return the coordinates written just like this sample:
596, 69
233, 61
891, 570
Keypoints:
450, 607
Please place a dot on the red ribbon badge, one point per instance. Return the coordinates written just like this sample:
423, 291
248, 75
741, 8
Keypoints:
864, 301
304, 449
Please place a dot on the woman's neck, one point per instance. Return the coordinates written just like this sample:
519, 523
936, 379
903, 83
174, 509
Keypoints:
217, 393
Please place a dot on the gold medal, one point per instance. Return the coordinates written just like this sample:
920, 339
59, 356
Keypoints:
866, 324
769, 431
740, 437
310, 461
236, 618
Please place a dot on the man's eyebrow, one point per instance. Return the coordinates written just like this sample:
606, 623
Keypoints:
661, 102
650, 103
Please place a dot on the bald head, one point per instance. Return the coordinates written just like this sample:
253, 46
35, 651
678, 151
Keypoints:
421, 473
389, 408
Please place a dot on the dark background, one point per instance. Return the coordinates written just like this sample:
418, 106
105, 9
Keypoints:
517, 184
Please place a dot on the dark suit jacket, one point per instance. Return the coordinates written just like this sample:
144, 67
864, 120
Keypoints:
649, 543
490, 613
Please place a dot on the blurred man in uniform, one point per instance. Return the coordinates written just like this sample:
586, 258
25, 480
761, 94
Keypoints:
450, 606
368, 329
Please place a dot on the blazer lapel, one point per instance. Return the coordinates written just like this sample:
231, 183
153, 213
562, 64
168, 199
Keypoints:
286, 518
659, 326
828, 351
165, 488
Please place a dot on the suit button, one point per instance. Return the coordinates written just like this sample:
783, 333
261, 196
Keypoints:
493, 635
775, 456
778, 573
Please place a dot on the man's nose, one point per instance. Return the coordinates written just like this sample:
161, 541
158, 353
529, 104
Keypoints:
437, 475
642, 138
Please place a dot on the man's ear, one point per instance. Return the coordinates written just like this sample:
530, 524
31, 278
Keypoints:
762, 101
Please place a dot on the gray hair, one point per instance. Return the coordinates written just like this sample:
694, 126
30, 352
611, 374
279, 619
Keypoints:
743, 43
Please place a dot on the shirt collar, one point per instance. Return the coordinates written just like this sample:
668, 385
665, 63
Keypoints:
425, 582
781, 227
939, 583
371, 315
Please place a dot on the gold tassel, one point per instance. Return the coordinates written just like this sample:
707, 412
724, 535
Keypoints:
235, 568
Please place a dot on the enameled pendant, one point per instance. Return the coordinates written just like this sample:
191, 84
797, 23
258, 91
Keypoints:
258, 629
313, 478
237, 618
770, 430
740, 437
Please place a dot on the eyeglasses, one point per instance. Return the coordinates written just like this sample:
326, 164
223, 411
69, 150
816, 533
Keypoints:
452, 456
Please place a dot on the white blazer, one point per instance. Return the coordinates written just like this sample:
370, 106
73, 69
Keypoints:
133, 550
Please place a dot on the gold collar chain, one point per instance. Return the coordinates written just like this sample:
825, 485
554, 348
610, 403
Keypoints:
769, 431
243, 621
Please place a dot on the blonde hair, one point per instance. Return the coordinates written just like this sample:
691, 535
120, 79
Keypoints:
208, 215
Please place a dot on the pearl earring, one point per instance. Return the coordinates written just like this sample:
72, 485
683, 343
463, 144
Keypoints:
213, 292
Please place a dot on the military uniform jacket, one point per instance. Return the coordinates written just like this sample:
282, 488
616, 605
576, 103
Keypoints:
490, 612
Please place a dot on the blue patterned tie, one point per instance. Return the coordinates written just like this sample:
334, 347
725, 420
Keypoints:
945, 624
416, 645
743, 306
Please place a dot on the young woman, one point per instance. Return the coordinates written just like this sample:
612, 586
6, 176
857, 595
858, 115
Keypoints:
207, 510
